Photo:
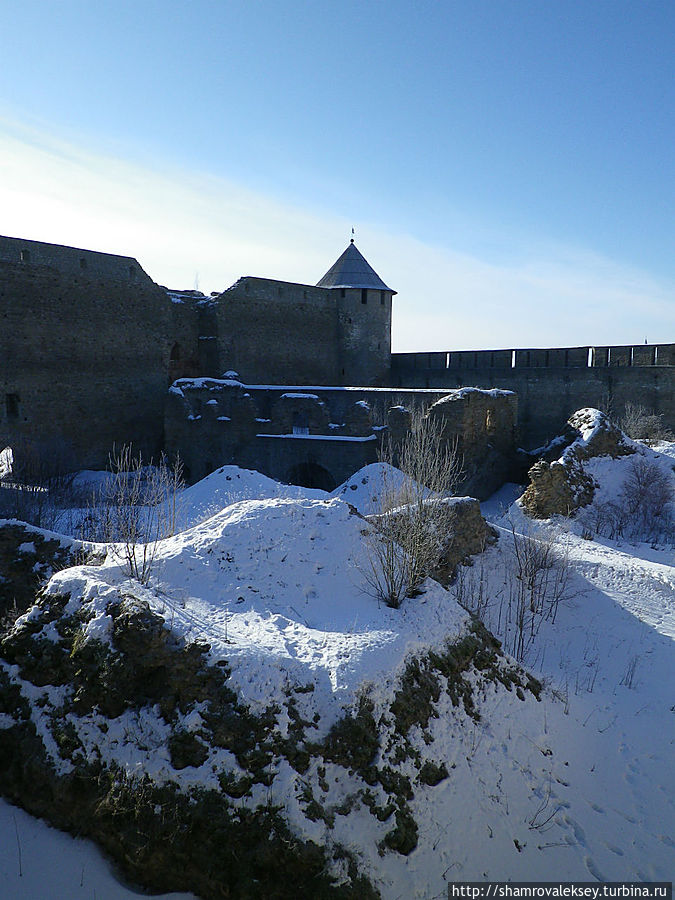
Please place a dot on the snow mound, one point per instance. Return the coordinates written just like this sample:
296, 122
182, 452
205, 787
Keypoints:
366, 489
275, 587
230, 484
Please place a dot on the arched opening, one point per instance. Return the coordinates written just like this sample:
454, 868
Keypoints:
311, 475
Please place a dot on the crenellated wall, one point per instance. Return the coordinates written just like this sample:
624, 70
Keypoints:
552, 383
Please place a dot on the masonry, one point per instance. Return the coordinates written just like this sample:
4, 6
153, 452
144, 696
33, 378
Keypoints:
89, 344
319, 436
93, 354
552, 383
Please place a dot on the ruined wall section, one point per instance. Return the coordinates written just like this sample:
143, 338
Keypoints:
322, 437
194, 336
84, 352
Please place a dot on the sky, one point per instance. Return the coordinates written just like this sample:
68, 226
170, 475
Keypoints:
508, 165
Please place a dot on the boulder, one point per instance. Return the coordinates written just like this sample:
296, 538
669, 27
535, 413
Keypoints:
563, 486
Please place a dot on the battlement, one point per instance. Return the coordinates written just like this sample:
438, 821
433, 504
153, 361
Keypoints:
554, 358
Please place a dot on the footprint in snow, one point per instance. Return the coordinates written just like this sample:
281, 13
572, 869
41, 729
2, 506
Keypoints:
577, 830
589, 862
617, 850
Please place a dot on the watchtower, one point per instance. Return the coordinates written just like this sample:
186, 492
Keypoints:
364, 318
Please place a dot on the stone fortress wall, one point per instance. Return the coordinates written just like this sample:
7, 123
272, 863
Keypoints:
279, 332
89, 346
552, 383
84, 351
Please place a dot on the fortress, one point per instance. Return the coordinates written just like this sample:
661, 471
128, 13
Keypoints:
296, 380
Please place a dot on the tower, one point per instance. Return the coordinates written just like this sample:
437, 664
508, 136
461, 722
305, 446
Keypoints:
364, 318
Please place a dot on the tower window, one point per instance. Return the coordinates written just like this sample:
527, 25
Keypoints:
343, 293
364, 295
83, 262
24, 255
381, 298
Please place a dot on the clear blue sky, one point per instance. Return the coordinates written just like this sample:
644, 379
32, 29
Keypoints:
508, 164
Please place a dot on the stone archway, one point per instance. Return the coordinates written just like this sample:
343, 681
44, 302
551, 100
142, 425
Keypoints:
311, 475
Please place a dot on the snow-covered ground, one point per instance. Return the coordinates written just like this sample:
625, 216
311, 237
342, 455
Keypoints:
577, 786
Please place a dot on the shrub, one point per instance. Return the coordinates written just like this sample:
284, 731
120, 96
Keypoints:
644, 509
641, 424
412, 519
135, 509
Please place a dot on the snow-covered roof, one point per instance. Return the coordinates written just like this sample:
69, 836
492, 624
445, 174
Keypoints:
352, 270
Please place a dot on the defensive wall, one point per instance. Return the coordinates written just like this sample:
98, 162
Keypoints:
89, 345
552, 383
84, 352
280, 332
319, 436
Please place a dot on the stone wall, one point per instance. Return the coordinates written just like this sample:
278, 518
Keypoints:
364, 336
84, 354
275, 332
72, 262
89, 344
551, 384
322, 437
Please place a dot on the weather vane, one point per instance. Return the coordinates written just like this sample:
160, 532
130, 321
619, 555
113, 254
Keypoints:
352, 234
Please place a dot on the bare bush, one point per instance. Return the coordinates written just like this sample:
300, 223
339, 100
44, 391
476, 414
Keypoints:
644, 509
641, 424
431, 464
135, 509
412, 517
471, 590
537, 579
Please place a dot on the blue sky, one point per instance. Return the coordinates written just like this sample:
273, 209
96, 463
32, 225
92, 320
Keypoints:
507, 164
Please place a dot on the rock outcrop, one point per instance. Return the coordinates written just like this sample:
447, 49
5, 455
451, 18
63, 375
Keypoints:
562, 486
455, 525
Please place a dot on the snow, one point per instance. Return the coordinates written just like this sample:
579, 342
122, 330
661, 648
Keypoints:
28, 547
6, 462
299, 396
230, 379
579, 786
275, 586
368, 487
228, 485
321, 437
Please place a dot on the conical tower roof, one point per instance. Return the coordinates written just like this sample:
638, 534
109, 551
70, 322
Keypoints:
352, 270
